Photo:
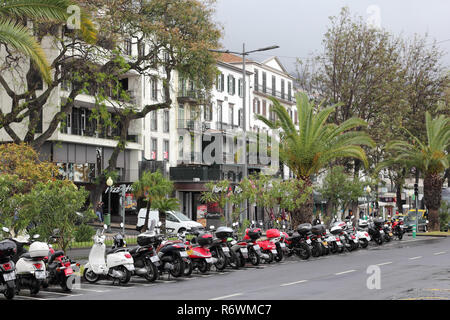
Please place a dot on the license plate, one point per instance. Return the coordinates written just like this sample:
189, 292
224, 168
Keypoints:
355, 241
256, 247
9, 276
390, 234
225, 249
244, 250
381, 231
308, 241
282, 245
209, 260
319, 240
183, 253
154, 259
274, 252
68, 271
40, 274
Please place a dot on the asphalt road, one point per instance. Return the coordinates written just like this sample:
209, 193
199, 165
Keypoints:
409, 269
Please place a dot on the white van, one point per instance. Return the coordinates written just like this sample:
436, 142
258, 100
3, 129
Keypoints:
174, 219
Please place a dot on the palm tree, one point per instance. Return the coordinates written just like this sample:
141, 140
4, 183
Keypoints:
18, 36
152, 186
430, 158
163, 205
315, 144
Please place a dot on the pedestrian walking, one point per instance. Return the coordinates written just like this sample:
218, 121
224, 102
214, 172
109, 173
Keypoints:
99, 211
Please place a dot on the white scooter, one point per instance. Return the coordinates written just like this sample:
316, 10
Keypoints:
119, 264
30, 268
362, 233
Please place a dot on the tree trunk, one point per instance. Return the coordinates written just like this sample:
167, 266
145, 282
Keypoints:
399, 198
432, 189
162, 218
304, 213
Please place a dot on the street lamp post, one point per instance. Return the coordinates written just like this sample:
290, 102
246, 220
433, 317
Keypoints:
109, 183
244, 111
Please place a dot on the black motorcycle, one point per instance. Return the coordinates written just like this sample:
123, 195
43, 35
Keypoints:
146, 261
229, 247
173, 256
8, 249
376, 231
299, 243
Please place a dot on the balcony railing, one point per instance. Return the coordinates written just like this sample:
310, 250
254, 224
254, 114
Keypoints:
276, 94
185, 95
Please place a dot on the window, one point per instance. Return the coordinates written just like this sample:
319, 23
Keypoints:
166, 150
264, 82
37, 116
282, 88
154, 149
264, 108
231, 85
289, 91
154, 86
166, 121
256, 80
220, 86
181, 117
258, 107
231, 113
127, 47
154, 120
207, 112
295, 117
273, 86
141, 49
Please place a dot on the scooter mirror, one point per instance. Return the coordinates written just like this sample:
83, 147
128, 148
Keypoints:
5, 229
212, 227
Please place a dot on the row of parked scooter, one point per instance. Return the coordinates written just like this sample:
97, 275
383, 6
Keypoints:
156, 254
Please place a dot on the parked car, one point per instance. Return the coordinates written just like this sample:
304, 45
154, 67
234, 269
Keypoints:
174, 219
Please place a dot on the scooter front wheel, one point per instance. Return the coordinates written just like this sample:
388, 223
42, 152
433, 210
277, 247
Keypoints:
90, 276
127, 275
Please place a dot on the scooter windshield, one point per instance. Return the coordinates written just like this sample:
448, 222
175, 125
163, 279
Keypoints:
97, 255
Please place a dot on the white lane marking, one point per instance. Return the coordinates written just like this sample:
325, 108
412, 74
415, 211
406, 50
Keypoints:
92, 290
291, 283
414, 258
228, 296
438, 253
384, 263
343, 272
28, 297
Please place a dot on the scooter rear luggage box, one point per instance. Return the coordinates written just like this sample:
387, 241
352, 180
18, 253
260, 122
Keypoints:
318, 229
38, 249
273, 233
146, 238
378, 222
7, 249
336, 230
304, 228
254, 233
204, 239
224, 232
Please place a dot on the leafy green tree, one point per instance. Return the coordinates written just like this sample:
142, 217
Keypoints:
218, 192
341, 189
152, 186
315, 144
430, 157
13, 33
53, 206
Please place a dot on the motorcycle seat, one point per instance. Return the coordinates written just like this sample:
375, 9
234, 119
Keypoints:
114, 250
134, 249
55, 255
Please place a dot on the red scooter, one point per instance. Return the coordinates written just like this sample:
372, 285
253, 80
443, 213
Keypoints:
274, 236
199, 253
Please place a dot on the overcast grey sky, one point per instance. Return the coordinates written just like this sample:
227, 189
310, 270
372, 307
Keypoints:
298, 26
